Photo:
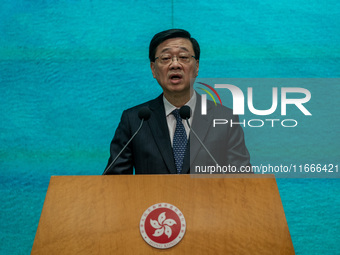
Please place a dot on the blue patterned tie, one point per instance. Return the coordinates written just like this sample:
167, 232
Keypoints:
179, 142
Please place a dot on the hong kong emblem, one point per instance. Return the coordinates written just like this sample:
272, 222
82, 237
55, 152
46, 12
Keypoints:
162, 225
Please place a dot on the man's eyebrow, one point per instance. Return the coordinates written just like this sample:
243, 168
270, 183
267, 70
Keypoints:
182, 48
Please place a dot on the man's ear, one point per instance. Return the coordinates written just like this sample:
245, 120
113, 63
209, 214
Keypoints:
197, 67
152, 66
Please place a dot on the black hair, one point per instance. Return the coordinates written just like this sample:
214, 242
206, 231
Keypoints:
172, 33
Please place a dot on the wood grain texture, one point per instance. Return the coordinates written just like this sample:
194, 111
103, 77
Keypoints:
101, 214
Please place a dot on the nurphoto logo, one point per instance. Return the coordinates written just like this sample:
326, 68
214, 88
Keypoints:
281, 98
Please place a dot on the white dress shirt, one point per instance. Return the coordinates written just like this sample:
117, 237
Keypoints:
171, 120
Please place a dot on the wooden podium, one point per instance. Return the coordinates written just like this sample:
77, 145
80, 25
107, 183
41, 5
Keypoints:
101, 215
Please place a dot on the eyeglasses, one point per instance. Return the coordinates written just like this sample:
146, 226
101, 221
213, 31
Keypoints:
183, 58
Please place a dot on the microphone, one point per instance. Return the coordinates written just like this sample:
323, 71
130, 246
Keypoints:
144, 114
185, 113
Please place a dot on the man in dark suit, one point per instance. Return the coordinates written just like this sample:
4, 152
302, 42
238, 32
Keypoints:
164, 144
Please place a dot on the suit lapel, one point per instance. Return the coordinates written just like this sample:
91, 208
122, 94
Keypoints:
200, 125
186, 160
160, 132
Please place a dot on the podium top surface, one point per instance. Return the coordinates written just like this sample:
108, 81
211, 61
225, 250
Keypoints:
101, 215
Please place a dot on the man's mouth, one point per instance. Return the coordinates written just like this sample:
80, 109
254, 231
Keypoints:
175, 77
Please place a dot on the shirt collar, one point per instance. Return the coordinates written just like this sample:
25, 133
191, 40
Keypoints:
169, 107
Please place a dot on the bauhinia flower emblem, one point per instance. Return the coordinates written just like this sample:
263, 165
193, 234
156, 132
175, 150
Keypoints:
163, 225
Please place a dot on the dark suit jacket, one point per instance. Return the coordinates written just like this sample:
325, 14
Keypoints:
150, 152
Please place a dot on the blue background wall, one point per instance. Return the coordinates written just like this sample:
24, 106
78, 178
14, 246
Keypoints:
69, 68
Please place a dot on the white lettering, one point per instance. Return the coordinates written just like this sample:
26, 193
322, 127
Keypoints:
262, 112
231, 123
219, 122
289, 120
262, 123
297, 102
238, 97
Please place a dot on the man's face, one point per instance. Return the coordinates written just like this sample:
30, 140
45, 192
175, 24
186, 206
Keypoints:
175, 76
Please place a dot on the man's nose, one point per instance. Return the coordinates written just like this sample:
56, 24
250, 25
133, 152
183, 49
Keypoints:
175, 63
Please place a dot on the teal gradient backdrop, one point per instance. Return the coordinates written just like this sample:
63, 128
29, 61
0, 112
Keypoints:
69, 68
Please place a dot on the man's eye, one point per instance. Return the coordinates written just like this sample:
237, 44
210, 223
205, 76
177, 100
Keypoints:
184, 57
165, 58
